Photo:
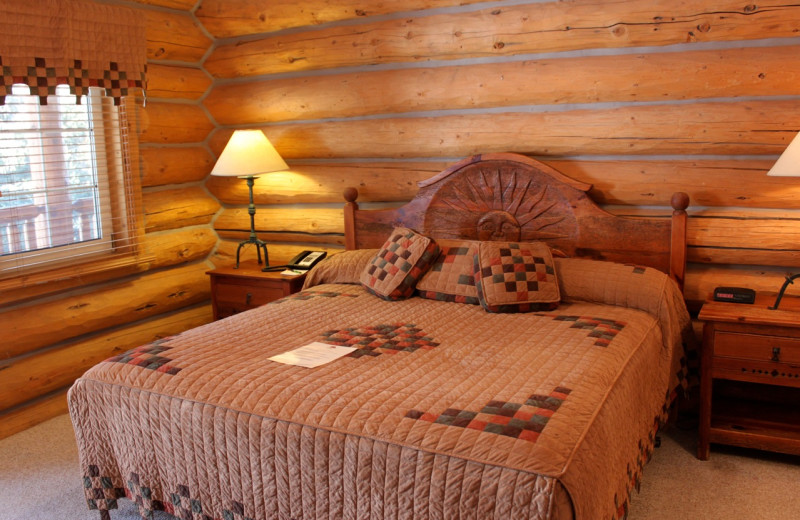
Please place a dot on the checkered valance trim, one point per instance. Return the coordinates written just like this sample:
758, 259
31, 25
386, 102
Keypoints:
78, 43
43, 79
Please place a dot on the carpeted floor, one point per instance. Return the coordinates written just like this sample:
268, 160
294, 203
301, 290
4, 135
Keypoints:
39, 480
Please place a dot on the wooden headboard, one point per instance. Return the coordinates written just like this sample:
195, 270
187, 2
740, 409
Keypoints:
512, 197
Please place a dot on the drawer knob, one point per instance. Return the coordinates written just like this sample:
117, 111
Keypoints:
249, 297
776, 354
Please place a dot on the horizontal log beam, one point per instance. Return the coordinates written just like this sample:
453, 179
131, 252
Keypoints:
228, 18
33, 413
746, 232
162, 249
741, 128
173, 123
504, 31
725, 183
181, 207
753, 257
170, 248
31, 327
270, 238
183, 5
32, 376
174, 36
175, 82
310, 221
175, 164
322, 183
596, 79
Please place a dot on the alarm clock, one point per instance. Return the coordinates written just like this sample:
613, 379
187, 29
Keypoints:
734, 295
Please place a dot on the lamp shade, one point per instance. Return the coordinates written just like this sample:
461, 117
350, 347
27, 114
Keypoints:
788, 164
248, 154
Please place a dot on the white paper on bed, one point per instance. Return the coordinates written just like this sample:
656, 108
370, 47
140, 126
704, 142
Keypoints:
312, 355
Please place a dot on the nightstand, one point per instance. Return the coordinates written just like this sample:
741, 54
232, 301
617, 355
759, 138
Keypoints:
750, 375
236, 290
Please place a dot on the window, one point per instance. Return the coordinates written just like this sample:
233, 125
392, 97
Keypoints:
66, 190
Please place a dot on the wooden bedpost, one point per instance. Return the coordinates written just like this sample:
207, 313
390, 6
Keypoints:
350, 207
677, 257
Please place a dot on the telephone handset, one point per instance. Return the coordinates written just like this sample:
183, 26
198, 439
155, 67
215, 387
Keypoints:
306, 260
302, 262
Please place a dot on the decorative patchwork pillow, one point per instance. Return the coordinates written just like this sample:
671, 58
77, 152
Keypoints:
450, 277
516, 277
344, 267
395, 270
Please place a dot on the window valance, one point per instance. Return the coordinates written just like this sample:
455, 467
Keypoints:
80, 43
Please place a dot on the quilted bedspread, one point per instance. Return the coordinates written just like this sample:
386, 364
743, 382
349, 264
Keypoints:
443, 411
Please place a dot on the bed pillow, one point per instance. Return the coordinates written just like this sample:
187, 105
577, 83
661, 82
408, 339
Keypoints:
344, 267
450, 278
631, 286
516, 277
395, 270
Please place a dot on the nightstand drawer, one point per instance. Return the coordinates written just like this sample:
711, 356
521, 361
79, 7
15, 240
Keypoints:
755, 347
237, 290
244, 297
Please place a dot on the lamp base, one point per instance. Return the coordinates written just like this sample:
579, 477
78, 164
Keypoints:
259, 245
251, 209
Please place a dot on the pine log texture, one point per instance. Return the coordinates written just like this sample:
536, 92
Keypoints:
32, 413
162, 249
183, 5
175, 247
306, 221
174, 164
529, 28
172, 209
745, 127
324, 183
171, 123
723, 183
174, 36
34, 326
175, 82
227, 18
28, 377
714, 183
633, 77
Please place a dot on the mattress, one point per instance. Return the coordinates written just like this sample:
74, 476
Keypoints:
443, 410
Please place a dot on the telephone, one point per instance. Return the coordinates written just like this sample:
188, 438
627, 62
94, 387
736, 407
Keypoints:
302, 262
306, 260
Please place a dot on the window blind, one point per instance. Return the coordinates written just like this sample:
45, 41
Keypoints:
64, 192
72, 73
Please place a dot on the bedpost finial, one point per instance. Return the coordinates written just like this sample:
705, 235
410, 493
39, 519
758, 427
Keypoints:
350, 194
679, 201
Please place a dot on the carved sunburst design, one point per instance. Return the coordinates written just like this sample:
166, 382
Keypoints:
498, 204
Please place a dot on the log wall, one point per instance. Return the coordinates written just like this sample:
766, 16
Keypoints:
639, 98
57, 331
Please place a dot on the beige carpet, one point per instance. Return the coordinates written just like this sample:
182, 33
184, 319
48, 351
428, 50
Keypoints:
39, 480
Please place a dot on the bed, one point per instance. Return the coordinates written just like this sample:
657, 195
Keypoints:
465, 395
